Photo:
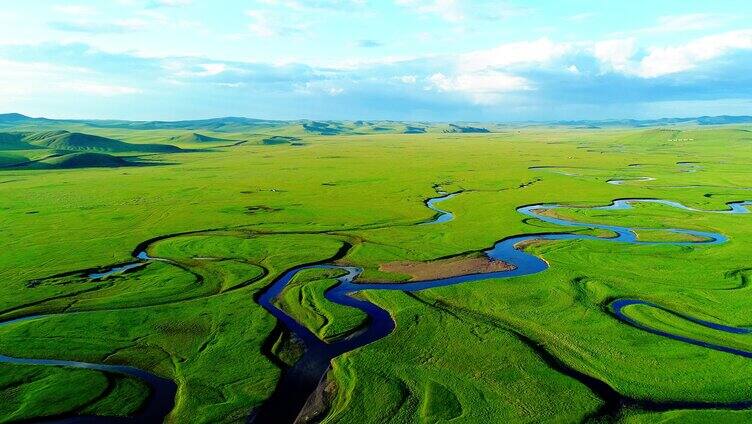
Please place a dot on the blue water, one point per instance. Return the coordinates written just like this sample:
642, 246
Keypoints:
300, 380
618, 305
303, 377
624, 180
162, 398
158, 405
442, 215
143, 258
689, 167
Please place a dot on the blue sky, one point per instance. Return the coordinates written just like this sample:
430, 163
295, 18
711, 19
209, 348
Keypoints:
435, 60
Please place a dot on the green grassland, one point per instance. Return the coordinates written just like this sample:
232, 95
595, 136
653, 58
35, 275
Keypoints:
304, 300
227, 212
666, 321
30, 392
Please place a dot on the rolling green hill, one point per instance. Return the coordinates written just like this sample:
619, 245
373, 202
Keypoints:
324, 128
279, 139
10, 159
465, 129
18, 122
227, 124
74, 141
197, 138
81, 160
13, 141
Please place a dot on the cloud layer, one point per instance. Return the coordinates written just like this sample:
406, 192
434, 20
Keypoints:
302, 68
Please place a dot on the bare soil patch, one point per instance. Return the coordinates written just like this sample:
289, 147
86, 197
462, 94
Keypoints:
445, 268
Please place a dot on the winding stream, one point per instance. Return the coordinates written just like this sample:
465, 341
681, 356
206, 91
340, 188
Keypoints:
618, 305
302, 379
442, 215
630, 179
142, 257
298, 382
160, 402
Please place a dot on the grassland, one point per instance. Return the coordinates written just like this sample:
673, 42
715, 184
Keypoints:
230, 213
304, 300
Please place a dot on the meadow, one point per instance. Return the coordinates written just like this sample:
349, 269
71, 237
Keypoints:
226, 209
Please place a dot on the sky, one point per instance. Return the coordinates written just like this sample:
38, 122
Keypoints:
428, 60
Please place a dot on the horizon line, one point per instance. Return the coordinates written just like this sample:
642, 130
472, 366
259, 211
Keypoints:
530, 121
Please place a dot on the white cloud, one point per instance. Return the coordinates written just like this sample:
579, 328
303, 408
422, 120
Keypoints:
25, 78
669, 60
134, 24
97, 89
74, 9
356, 64
230, 84
504, 10
615, 55
684, 23
212, 69
408, 79
582, 17
524, 69
266, 24
688, 22
33, 76
449, 10
485, 76
318, 87
173, 3
187, 69
260, 25
456, 11
335, 91
481, 88
541, 51
620, 55
318, 5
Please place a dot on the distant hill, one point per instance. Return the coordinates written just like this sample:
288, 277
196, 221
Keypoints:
66, 161
228, 124
21, 122
702, 120
724, 120
62, 149
324, 128
8, 159
14, 141
81, 160
197, 138
414, 130
73, 141
460, 129
13, 117
278, 139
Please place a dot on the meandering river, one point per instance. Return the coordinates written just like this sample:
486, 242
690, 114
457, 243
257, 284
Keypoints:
301, 380
160, 402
